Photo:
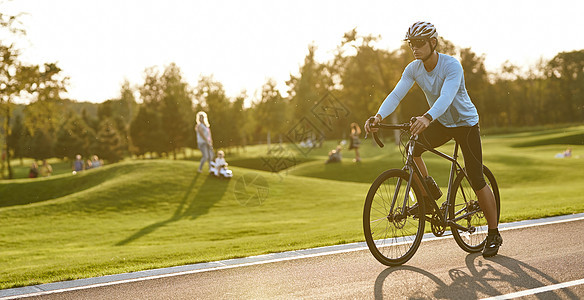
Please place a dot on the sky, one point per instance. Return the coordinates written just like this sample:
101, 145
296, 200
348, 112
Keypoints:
242, 44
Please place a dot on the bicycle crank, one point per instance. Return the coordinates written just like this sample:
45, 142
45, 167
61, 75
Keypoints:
438, 227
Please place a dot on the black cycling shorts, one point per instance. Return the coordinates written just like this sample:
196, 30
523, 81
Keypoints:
469, 139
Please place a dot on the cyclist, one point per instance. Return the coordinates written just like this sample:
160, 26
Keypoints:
451, 115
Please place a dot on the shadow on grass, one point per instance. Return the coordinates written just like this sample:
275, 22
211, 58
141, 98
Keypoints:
209, 193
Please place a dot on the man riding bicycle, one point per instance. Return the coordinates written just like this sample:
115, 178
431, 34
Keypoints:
451, 115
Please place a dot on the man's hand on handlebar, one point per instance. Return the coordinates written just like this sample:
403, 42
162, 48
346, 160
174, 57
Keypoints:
419, 124
372, 121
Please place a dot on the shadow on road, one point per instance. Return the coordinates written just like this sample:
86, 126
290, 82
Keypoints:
480, 278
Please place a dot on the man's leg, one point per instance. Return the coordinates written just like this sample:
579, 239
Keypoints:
469, 140
422, 167
488, 205
470, 143
434, 136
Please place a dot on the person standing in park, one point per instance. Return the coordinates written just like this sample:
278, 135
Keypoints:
78, 164
451, 115
204, 139
355, 142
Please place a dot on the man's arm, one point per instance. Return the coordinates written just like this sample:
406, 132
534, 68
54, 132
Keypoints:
399, 92
449, 89
393, 99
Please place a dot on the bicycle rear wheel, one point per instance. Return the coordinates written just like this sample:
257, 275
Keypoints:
466, 212
393, 227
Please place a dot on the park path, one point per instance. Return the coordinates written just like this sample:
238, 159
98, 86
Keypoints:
532, 258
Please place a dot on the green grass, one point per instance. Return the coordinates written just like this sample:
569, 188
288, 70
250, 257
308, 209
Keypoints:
138, 215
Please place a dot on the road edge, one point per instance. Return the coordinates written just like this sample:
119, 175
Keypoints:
63, 286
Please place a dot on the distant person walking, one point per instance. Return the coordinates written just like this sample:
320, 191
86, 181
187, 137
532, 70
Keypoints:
204, 139
355, 141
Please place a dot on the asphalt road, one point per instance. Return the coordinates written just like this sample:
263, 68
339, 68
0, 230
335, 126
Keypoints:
530, 258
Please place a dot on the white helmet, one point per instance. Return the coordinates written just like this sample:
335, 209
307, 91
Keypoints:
421, 30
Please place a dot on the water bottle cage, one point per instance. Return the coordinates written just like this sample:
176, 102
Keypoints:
435, 191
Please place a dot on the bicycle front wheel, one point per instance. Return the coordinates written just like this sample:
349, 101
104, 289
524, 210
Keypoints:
393, 224
466, 212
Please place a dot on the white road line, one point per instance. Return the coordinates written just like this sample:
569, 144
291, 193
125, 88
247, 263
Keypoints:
356, 247
181, 273
540, 224
538, 290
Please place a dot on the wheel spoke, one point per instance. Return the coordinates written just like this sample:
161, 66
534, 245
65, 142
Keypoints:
464, 211
392, 234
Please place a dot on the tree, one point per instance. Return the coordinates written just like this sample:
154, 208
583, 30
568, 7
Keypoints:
16, 79
239, 120
475, 74
74, 137
566, 72
176, 109
152, 91
127, 105
41, 144
146, 132
366, 76
117, 112
270, 111
167, 101
109, 142
10, 86
307, 88
16, 138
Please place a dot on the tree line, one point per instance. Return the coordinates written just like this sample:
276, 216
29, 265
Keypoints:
157, 117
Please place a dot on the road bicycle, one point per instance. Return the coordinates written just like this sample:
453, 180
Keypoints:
396, 211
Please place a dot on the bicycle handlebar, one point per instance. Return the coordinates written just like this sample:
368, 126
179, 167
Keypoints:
405, 126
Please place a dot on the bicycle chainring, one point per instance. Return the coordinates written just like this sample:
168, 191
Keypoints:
438, 228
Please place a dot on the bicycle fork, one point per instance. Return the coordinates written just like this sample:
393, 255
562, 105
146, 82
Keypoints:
408, 193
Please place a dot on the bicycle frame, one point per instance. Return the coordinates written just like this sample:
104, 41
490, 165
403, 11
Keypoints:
412, 169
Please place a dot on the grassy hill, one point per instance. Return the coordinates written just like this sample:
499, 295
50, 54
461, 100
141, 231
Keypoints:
139, 215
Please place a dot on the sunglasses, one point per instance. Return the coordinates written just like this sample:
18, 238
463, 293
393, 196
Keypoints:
417, 43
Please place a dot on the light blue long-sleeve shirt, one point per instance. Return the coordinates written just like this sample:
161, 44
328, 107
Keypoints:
444, 89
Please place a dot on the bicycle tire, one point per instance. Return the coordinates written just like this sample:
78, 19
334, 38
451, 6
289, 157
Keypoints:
393, 236
464, 200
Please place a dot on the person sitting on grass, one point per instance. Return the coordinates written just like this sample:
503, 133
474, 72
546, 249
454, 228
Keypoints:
335, 155
34, 170
568, 152
565, 154
45, 169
